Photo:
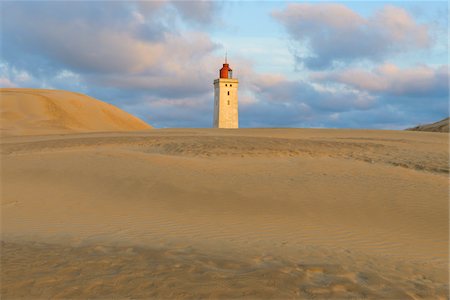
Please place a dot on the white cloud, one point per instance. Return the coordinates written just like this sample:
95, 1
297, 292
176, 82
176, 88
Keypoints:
156, 60
6, 83
335, 34
390, 79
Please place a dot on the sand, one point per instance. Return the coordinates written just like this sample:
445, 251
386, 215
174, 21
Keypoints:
204, 213
441, 126
39, 111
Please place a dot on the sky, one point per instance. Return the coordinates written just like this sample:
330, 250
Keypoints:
381, 65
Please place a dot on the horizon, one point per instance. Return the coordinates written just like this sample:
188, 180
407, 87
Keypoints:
296, 68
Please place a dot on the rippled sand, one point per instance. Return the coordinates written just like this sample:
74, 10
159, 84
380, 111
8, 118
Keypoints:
263, 213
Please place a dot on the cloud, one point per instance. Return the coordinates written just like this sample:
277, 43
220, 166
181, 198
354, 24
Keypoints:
156, 60
5, 82
76, 35
126, 53
199, 12
169, 112
402, 96
111, 46
88, 44
389, 79
335, 34
292, 92
278, 101
386, 97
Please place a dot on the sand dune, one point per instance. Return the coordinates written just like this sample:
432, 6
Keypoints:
441, 126
253, 213
39, 111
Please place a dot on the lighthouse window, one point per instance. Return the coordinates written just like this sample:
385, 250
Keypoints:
231, 85
228, 102
226, 84
228, 93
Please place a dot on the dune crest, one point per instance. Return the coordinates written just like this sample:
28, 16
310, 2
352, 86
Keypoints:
39, 111
440, 126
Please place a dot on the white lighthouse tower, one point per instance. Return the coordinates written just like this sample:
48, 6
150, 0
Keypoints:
226, 99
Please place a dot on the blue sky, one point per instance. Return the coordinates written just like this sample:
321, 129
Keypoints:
300, 64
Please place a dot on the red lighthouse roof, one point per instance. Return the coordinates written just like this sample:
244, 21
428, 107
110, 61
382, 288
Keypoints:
226, 71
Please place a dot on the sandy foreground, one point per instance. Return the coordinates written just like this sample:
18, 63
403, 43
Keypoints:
254, 213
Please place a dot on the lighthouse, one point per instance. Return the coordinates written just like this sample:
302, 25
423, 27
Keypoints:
226, 99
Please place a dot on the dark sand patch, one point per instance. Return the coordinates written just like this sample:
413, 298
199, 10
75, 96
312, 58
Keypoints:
39, 270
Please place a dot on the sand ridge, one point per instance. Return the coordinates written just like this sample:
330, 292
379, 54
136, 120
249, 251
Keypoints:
363, 145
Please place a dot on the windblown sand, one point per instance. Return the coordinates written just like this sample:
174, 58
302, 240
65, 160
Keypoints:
252, 213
